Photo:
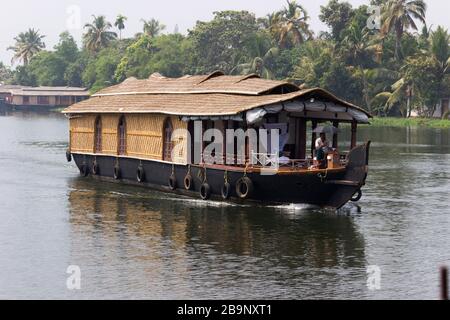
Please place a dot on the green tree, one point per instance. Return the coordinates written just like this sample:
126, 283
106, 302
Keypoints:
222, 43
263, 53
359, 46
48, 69
336, 15
136, 57
440, 51
152, 27
100, 70
23, 76
294, 24
166, 54
120, 24
411, 90
320, 66
98, 35
6, 75
398, 16
67, 48
27, 45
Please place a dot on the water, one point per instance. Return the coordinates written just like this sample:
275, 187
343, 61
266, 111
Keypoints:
134, 243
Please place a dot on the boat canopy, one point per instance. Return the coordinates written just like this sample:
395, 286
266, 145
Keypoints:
218, 97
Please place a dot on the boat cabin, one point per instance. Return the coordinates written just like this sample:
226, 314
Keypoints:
147, 119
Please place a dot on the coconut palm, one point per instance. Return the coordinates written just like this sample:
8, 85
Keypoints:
262, 52
294, 24
120, 24
440, 47
398, 16
98, 35
360, 45
272, 23
27, 45
153, 27
440, 51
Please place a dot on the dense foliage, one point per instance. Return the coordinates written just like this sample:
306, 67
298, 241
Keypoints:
393, 70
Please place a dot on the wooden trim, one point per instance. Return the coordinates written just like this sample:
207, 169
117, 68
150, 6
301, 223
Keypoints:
335, 136
353, 139
143, 134
314, 137
82, 131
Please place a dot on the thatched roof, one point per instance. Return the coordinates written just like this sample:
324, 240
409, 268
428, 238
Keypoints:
44, 91
212, 95
216, 82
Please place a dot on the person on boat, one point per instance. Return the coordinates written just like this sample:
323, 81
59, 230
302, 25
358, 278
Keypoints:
322, 147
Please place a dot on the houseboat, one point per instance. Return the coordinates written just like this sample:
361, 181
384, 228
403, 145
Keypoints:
154, 133
16, 97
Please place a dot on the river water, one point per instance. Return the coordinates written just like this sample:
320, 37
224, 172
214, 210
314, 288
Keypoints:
134, 243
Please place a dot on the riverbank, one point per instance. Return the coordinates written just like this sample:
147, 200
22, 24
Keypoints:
409, 122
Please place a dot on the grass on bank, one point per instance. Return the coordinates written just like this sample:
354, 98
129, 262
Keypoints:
409, 122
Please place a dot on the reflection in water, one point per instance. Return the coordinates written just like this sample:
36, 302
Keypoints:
213, 243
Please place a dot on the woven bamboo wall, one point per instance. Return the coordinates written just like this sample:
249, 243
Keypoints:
144, 135
82, 133
180, 139
110, 124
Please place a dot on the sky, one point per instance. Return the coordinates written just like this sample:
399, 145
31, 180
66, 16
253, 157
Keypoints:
52, 17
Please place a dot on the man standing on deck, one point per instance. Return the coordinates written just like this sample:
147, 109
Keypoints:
322, 146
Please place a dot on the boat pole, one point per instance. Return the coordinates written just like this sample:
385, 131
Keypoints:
444, 283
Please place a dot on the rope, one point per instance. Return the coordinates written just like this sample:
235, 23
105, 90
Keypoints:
205, 178
246, 169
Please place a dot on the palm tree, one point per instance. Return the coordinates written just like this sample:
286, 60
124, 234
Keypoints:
440, 51
398, 16
98, 35
272, 23
358, 43
27, 45
152, 27
262, 53
294, 24
120, 24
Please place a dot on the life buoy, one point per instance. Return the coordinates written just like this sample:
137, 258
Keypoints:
172, 182
356, 196
140, 174
188, 182
244, 188
68, 156
95, 168
84, 170
205, 191
117, 172
226, 189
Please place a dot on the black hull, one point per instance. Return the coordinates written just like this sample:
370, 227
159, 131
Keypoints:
334, 190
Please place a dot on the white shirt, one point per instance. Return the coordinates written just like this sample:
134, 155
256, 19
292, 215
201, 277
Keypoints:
320, 143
